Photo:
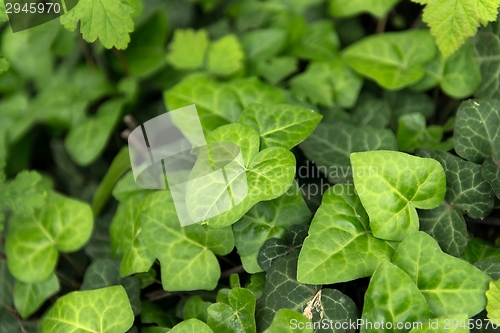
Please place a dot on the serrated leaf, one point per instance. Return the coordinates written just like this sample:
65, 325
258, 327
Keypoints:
107, 311
187, 49
454, 286
413, 133
393, 297
453, 21
24, 194
32, 243
191, 326
106, 272
86, 141
237, 316
330, 147
289, 321
490, 267
342, 8
263, 44
268, 219
186, 253
225, 56
28, 297
400, 184
280, 125
352, 251
394, 60
108, 20
493, 297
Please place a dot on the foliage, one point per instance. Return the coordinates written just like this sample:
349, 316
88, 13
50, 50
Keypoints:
367, 140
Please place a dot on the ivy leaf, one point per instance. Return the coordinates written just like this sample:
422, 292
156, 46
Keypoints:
126, 238
86, 141
263, 44
493, 297
353, 252
371, 111
32, 243
288, 321
106, 272
405, 101
28, 297
458, 287
394, 60
7, 282
330, 147
276, 69
154, 314
389, 200
225, 56
280, 125
319, 42
453, 21
413, 133
490, 267
486, 48
107, 311
237, 316
108, 20
186, 253
191, 326
478, 249
342, 8
393, 297
490, 171
10, 323
268, 219
195, 307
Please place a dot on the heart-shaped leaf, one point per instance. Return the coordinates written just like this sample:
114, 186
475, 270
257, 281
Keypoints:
493, 297
191, 326
106, 310
32, 243
449, 285
289, 321
340, 246
236, 316
391, 185
28, 297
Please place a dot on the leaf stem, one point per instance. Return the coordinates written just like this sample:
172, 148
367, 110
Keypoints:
381, 24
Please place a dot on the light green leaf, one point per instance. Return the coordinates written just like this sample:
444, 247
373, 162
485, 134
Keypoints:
225, 56
3, 15
289, 321
106, 310
394, 60
106, 272
191, 326
126, 187
413, 133
486, 51
457, 323
319, 42
4, 64
28, 297
493, 297
23, 194
237, 316
330, 147
340, 246
32, 243
399, 184
252, 90
280, 125
453, 21
195, 307
328, 83
394, 298
449, 285
86, 141
342, 8
186, 253
257, 283
126, 237
276, 69
263, 44
268, 219
108, 20
187, 49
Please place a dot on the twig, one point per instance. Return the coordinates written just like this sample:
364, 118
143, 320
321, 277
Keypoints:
234, 270
417, 22
87, 54
160, 294
381, 24
123, 61
80, 270
3, 256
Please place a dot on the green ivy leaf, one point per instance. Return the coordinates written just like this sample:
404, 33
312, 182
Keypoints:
453, 21
371, 111
107, 311
280, 125
391, 185
493, 297
454, 286
126, 238
352, 251
187, 49
319, 42
106, 272
32, 243
491, 172
289, 321
342, 8
7, 282
10, 323
405, 101
486, 48
413, 133
225, 56
394, 60
490, 267
237, 316
186, 253
191, 326
330, 147
263, 44
276, 69
195, 307
393, 297
478, 249
108, 20
154, 314
268, 219
28, 297
86, 141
